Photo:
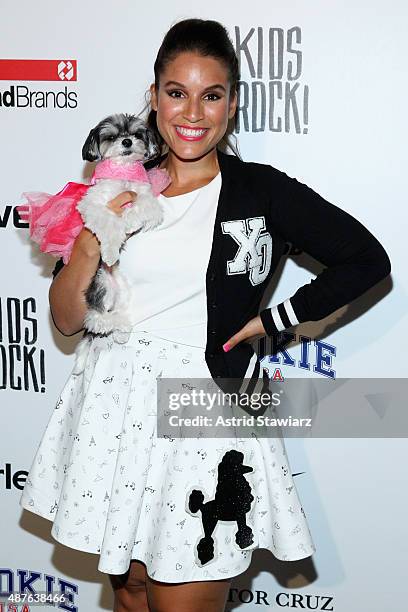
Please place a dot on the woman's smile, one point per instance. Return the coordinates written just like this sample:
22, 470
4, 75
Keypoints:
189, 133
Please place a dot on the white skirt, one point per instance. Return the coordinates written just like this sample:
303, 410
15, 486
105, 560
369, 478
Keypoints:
112, 487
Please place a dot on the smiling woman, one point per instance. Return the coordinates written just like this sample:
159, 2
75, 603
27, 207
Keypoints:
172, 518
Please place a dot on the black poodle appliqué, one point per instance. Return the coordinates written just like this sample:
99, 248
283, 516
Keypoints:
232, 501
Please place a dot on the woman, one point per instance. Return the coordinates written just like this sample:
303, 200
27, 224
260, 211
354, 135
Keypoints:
174, 519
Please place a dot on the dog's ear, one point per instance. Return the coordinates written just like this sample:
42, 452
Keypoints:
90, 150
152, 144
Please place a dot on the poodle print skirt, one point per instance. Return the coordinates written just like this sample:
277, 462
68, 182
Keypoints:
112, 487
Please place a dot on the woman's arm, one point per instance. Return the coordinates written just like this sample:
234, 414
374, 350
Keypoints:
67, 291
355, 259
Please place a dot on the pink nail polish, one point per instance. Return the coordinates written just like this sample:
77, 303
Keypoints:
226, 347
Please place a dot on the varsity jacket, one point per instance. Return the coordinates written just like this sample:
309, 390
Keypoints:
260, 212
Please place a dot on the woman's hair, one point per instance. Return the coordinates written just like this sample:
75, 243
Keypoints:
207, 38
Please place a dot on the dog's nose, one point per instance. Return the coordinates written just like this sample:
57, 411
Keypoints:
246, 468
127, 143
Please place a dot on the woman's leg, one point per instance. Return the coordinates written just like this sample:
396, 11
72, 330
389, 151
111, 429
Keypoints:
206, 596
130, 589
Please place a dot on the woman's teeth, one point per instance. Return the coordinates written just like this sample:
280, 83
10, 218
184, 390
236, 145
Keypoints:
189, 132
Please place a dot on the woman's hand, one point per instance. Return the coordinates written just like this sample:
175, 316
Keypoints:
120, 201
253, 328
86, 240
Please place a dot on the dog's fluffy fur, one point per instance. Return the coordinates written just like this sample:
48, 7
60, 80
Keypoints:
124, 138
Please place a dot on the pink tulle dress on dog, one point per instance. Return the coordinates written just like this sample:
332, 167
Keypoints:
55, 221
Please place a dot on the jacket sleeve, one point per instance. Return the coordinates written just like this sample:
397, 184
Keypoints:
354, 259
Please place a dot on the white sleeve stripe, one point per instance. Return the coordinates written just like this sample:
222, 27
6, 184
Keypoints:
276, 319
290, 312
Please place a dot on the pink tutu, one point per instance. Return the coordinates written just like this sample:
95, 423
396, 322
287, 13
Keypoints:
54, 219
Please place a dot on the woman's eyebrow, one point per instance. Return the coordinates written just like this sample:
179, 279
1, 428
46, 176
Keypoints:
177, 84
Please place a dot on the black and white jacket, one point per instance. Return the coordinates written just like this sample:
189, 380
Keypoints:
260, 211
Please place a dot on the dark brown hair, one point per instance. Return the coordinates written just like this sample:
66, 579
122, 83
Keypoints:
207, 38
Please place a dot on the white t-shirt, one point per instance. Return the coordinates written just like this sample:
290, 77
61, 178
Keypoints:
167, 267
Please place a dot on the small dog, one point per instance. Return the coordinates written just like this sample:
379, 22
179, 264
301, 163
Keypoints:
124, 139
121, 142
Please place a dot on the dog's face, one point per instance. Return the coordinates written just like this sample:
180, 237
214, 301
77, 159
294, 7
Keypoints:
122, 136
232, 464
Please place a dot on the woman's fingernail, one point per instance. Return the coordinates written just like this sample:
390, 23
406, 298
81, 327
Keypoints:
226, 347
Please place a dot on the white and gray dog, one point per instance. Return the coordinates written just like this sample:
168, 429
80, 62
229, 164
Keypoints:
116, 142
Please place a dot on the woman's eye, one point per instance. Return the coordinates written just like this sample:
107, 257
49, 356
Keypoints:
215, 96
176, 91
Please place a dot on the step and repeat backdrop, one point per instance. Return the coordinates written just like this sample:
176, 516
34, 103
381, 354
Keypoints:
321, 97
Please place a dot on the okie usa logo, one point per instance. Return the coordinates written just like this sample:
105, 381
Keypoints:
23, 96
24, 590
317, 356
